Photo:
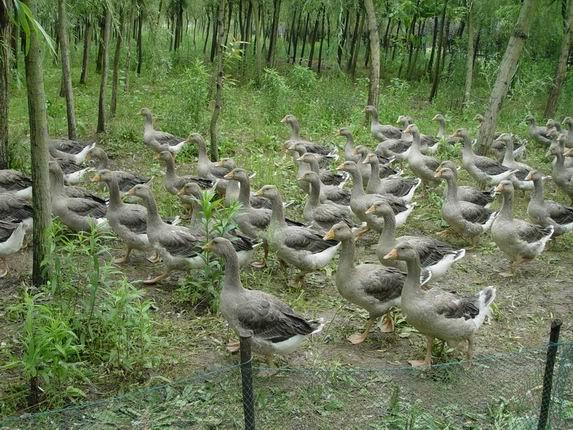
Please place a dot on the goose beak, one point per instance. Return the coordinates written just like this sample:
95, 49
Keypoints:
208, 246
438, 174
338, 133
392, 255
340, 167
529, 176
218, 163
329, 235
284, 120
229, 176
259, 193
435, 118
299, 159
156, 157
498, 189
568, 152
408, 130
181, 191
131, 192
96, 178
365, 110
547, 178
371, 210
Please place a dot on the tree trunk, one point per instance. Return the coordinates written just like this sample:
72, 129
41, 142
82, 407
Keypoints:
274, 33
214, 151
291, 34
342, 39
128, 55
86, 54
395, 43
505, 75
258, 40
100, 46
5, 35
116, 60
139, 42
470, 53
207, 35
374, 87
39, 156
433, 50
313, 42
438, 67
14, 37
560, 72
356, 50
104, 66
66, 77
304, 37
321, 41
214, 36
353, 43
295, 37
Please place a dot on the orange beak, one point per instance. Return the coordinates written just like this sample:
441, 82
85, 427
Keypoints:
329, 235
96, 178
498, 189
392, 255
371, 210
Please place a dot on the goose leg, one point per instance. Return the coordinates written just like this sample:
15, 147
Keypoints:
427, 361
387, 323
299, 279
447, 232
158, 278
4, 271
233, 346
263, 263
470, 352
361, 232
125, 258
358, 338
154, 258
272, 368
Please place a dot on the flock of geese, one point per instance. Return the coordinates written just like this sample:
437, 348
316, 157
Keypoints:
336, 218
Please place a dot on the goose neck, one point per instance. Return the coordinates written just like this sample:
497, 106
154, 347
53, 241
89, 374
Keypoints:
441, 129
231, 277
374, 180
245, 192
114, 195
506, 211
357, 184
452, 189
277, 216
537, 194
388, 235
347, 251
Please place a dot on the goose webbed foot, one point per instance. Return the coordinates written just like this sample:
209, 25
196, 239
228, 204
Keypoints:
387, 325
427, 361
158, 278
154, 258
358, 338
271, 368
124, 259
234, 346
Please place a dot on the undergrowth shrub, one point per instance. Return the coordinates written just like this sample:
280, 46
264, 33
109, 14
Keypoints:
201, 290
276, 93
88, 316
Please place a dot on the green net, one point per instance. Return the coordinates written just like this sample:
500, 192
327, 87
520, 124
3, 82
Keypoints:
500, 391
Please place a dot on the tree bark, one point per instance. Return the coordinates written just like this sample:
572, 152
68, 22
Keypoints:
295, 37
506, 72
470, 53
213, 149
560, 72
274, 33
39, 156
104, 66
304, 37
342, 39
116, 60
86, 53
438, 55
433, 50
100, 45
374, 87
5, 35
356, 49
214, 37
258, 40
313, 42
139, 42
66, 76
321, 41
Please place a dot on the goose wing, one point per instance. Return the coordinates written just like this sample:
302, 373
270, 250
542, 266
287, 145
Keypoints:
489, 165
455, 307
384, 284
559, 213
14, 207
180, 242
164, 138
134, 217
302, 239
475, 213
266, 317
86, 207
12, 180
430, 250
531, 232
128, 180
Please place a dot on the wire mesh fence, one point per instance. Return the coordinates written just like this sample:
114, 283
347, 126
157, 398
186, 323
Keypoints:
500, 391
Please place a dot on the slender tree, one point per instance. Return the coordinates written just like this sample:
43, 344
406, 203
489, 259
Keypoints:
506, 72
5, 34
116, 60
470, 51
104, 64
86, 53
274, 33
374, 87
66, 75
560, 72
438, 68
39, 157
214, 151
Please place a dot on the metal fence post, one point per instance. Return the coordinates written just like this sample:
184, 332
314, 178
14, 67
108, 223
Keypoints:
247, 383
548, 375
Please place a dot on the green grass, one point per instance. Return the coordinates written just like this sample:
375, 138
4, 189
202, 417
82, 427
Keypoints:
192, 339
